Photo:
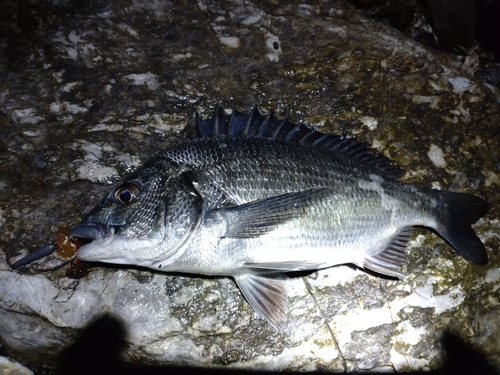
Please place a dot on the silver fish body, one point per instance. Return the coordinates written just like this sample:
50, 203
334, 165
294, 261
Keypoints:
254, 198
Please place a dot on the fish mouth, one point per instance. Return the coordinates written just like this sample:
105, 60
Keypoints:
106, 244
96, 237
93, 231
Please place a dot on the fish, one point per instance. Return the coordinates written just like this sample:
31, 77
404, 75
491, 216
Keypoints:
258, 198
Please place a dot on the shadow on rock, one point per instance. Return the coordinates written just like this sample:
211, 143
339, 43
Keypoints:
98, 351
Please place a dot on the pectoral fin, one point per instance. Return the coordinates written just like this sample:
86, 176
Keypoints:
256, 218
284, 266
266, 295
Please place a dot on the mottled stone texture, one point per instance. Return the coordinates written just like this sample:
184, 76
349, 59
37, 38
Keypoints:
91, 91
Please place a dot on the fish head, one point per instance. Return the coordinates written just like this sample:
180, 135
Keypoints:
142, 220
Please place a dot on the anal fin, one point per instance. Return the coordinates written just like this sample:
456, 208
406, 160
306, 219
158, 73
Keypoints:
392, 258
266, 295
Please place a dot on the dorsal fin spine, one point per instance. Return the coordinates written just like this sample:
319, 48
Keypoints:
251, 116
280, 125
216, 120
238, 124
232, 120
290, 134
317, 142
264, 127
310, 133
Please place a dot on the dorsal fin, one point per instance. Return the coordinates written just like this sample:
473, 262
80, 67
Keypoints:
238, 124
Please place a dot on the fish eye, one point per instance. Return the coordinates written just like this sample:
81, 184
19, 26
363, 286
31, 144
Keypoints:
126, 193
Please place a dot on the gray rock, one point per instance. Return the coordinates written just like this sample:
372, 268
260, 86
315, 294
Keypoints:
9, 367
92, 91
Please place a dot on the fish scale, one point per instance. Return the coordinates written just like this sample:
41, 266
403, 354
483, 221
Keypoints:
240, 169
256, 198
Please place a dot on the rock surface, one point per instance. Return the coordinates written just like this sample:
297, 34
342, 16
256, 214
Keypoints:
9, 367
90, 92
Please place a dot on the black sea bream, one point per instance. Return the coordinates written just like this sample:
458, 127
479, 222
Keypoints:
255, 197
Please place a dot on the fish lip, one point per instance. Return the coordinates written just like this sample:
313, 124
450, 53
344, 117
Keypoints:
93, 231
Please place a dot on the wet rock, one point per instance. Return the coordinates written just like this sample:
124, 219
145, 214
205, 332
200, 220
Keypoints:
91, 92
454, 23
10, 367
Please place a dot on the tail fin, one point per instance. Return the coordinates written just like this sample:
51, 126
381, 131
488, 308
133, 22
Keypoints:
461, 211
